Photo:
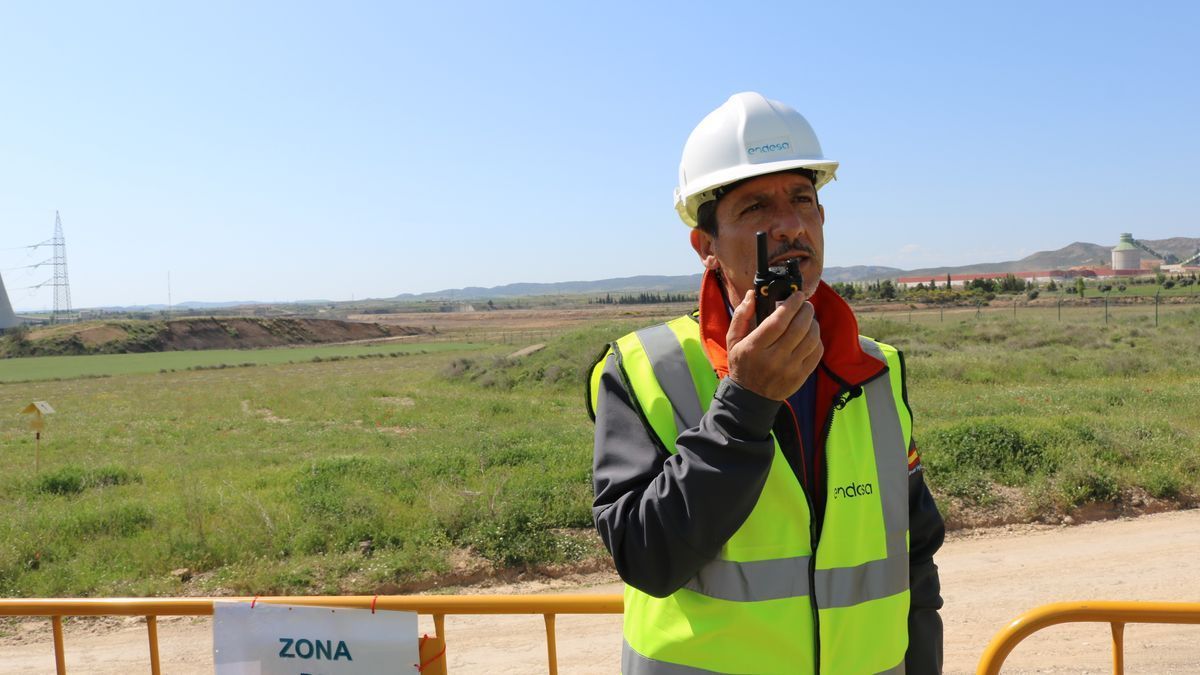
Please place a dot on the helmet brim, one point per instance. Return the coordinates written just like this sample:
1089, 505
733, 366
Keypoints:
688, 205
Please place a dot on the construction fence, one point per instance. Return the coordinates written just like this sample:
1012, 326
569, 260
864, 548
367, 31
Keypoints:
438, 607
433, 650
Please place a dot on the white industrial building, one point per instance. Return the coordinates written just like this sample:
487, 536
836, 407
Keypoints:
1126, 255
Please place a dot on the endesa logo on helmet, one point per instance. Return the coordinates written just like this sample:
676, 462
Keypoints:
765, 151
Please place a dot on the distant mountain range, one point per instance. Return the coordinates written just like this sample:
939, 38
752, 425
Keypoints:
1076, 254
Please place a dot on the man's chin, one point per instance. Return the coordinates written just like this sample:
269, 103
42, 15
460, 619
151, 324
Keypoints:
811, 271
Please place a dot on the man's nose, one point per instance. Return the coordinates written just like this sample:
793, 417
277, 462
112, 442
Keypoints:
787, 224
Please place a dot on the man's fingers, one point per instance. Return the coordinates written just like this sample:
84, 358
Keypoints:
742, 321
793, 321
778, 321
810, 343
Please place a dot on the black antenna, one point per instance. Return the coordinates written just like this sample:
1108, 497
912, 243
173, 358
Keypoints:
761, 238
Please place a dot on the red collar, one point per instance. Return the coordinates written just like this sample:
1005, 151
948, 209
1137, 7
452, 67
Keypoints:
843, 358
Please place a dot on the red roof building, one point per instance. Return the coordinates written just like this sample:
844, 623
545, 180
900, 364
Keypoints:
960, 280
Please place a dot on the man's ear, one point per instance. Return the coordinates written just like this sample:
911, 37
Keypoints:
702, 242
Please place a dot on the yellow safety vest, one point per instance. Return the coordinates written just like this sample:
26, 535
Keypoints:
766, 602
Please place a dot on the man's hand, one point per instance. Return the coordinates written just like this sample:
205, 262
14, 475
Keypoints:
775, 358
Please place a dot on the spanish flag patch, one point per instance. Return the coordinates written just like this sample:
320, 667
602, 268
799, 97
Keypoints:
914, 460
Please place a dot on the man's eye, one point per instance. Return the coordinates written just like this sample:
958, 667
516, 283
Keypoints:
752, 207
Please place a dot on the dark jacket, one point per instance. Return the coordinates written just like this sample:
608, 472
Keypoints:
663, 516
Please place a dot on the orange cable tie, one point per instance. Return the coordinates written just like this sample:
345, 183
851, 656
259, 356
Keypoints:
421, 668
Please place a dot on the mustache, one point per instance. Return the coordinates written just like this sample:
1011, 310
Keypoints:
796, 246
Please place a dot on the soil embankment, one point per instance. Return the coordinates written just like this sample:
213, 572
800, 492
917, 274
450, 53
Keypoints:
989, 577
121, 337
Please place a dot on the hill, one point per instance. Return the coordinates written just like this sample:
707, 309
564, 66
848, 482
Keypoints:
832, 275
1077, 253
120, 337
645, 283
648, 283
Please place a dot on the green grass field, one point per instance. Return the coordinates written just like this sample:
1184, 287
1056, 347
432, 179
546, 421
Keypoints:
66, 367
269, 479
1086, 314
1141, 290
1069, 414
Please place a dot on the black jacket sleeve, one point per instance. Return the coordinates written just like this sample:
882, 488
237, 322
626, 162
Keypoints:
662, 515
926, 533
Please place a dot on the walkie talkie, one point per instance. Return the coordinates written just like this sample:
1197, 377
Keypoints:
773, 284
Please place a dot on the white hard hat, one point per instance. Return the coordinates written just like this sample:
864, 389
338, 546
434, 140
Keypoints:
749, 135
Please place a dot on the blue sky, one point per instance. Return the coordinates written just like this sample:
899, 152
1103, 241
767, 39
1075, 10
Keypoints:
282, 151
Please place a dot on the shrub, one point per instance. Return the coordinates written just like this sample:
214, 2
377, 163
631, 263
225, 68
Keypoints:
65, 481
123, 520
990, 448
972, 486
72, 480
458, 368
519, 538
1163, 483
1087, 484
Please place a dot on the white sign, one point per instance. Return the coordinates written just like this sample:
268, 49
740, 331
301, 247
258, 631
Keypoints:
266, 639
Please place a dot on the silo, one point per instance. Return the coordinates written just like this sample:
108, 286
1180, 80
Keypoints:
7, 318
1126, 256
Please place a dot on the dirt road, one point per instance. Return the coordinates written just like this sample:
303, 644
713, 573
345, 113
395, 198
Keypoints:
988, 578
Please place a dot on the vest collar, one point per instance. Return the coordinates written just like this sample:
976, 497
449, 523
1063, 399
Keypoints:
844, 358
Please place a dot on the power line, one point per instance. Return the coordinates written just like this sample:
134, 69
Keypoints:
48, 242
47, 261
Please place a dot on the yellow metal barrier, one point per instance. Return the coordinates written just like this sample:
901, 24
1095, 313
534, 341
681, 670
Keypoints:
549, 606
1116, 614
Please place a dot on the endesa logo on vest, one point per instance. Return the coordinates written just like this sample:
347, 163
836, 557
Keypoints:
765, 151
852, 490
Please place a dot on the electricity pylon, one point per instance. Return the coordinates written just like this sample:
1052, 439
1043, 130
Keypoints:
62, 287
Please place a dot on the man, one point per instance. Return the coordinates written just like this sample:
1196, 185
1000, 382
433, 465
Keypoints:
757, 484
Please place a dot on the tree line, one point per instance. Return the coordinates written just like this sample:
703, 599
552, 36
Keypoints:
976, 290
645, 298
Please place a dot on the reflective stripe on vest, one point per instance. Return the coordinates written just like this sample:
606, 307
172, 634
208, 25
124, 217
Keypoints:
752, 581
671, 370
633, 663
672, 383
